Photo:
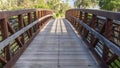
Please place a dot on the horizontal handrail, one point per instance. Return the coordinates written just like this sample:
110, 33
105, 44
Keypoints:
103, 13
5, 14
17, 34
115, 21
108, 43
100, 31
18, 28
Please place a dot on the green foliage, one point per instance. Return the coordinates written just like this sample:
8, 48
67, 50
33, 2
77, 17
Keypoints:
110, 5
58, 6
85, 3
41, 6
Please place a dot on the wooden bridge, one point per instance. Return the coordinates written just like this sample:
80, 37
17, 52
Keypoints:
83, 39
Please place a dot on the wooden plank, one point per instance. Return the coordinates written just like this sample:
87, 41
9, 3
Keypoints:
4, 14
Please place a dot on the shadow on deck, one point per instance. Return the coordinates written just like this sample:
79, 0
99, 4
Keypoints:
57, 46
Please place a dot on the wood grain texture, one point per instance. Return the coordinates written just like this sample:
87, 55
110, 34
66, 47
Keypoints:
57, 46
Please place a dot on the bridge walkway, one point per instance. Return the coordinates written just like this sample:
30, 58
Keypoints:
57, 46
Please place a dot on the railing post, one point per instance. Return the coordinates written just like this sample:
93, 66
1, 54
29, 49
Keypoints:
80, 27
92, 24
85, 21
35, 18
30, 21
108, 32
39, 14
80, 17
5, 34
75, 13
21, 25
95, 40
40, 25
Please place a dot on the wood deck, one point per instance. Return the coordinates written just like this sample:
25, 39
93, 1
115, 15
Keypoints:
57, 46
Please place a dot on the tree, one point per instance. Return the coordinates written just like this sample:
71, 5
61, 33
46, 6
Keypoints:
110, 5
83, 4
8, 4
55, 5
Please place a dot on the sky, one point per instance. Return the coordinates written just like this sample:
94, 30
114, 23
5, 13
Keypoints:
71, 2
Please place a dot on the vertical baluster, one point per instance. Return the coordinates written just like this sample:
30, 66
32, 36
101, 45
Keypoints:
38, 25
3, 60
29, 22
5, 34
21, 25
80, 27
76, 24
95, 40
74, 19
108, 32
12, 31
85, 20
92, 24
42, 20
24, 22
35, 18
39, 14
81, 18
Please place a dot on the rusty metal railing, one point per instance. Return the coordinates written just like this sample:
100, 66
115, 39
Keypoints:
17, 30
101, 32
